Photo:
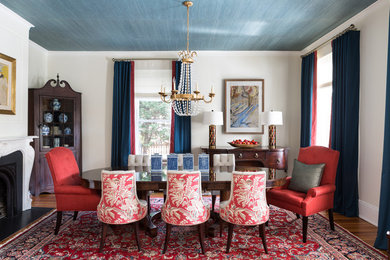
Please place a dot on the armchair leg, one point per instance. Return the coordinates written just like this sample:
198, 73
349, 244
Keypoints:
331, 221
201, 236
104, 232
136, 231
75, 215
230, 235
305, 220
263, 238
58, 223
167, 235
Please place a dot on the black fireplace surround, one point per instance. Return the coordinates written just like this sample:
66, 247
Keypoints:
11, 182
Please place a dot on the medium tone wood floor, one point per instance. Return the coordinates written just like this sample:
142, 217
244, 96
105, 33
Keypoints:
360, 228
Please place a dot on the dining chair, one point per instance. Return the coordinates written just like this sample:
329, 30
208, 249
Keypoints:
139, 162
70, 194
223, 166
119, 203
316, 199
184, 205
247, 205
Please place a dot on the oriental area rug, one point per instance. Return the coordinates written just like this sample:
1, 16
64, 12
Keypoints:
80, 239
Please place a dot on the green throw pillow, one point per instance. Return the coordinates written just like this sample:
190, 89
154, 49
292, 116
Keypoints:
305, 176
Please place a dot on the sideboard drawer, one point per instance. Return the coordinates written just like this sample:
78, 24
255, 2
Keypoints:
249, 155
276, 160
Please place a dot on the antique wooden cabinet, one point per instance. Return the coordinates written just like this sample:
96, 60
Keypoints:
54, 115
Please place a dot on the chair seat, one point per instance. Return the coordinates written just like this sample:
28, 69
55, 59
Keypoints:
178, 217
242, 216
293, 198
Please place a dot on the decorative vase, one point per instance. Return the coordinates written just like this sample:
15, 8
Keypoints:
63, 118
48, 117
55, 104
67, 131
45, 130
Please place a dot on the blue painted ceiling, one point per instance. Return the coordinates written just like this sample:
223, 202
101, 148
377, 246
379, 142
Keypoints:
160, 25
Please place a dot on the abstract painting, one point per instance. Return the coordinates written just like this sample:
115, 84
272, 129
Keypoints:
7, 84
244, 103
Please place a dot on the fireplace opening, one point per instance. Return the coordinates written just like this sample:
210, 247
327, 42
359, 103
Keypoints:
11, 184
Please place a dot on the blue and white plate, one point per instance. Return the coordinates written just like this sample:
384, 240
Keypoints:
48, 117
67, 131
63, 118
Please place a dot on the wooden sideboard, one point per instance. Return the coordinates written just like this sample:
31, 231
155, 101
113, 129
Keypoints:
253, 157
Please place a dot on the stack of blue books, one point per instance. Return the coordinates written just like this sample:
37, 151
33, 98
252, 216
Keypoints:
156, 167
204, 166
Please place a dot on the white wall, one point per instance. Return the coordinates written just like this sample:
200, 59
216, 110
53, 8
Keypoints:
37, 74
91, 73
14, 32
373, 24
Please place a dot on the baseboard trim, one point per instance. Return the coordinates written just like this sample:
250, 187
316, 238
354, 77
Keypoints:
368, 212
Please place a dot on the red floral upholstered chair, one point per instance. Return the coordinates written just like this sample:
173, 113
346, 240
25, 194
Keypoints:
247, 204
119, 203
70, 195
184, 205
316, 199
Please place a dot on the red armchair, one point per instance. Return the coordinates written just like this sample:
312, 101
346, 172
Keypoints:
316, 199
70, 195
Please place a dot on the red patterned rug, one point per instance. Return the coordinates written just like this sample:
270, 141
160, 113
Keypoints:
80, 240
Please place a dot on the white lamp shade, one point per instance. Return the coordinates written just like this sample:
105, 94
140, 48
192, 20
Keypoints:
271, 118
213, 118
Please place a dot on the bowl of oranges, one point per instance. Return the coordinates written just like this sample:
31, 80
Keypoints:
244, 143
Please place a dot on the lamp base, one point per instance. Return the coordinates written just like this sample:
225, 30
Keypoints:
272, 136
212, 137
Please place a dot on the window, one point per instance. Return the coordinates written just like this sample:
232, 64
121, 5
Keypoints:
324, 98
152, 116
153, 127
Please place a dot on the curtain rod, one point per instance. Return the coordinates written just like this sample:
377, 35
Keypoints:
350, 28
130, 59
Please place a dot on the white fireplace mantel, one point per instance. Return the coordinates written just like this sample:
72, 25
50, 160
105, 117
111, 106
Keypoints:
12, 144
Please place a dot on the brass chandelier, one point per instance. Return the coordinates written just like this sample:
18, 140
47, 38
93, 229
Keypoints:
185, 103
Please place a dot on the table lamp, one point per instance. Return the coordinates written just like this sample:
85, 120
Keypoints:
212, 119
272, 119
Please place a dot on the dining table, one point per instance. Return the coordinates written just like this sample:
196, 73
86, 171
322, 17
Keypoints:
157, 182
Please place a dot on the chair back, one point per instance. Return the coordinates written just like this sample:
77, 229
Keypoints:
63, 167
223, 163
320, 154
139, 162
119, 203
184, 205
247, 204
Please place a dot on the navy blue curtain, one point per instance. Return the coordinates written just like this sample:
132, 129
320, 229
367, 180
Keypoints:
120, 144
384, 204
307, 76
345, 120
182, 124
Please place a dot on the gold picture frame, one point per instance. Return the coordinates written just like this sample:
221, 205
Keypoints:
244, 101
7, 84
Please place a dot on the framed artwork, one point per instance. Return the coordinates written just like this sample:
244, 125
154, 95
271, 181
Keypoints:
7, 84
244, 101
